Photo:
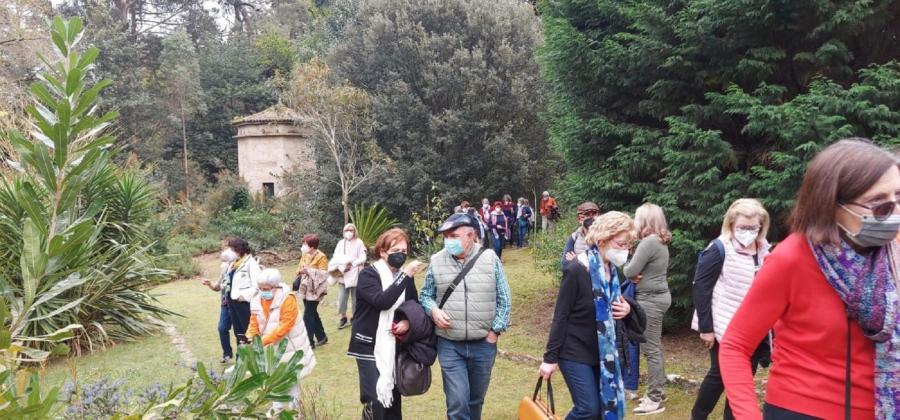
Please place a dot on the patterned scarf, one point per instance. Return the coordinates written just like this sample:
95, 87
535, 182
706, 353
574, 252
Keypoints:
866, 285
612, 394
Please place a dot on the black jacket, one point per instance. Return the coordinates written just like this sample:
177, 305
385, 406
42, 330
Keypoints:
370, 301
573, 333
420, 341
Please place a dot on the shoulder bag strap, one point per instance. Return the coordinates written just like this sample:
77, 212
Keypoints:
459, 278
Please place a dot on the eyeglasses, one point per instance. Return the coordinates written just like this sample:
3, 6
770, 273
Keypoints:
880, 211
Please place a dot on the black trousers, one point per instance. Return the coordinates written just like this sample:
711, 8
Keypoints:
372, 409
771, 412
314, 326
712, 387
240, 319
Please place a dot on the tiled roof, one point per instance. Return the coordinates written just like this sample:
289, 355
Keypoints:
276, 113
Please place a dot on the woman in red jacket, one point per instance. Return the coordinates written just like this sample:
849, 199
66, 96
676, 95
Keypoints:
829, 292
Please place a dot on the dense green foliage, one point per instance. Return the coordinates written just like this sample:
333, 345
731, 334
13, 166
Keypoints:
456, 98
371, 221
74, 223
692, 104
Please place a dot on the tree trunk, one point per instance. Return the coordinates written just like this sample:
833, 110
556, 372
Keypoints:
187, 182
346, 203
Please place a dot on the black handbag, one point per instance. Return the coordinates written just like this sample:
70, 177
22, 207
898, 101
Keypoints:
411, 377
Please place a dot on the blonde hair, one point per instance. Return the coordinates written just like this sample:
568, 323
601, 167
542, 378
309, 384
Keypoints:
652, 221
350, 225
747, 207
607, 226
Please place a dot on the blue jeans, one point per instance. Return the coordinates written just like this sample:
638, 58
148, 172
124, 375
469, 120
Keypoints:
582, 380
631, 373
225, 331
497, 242
466, 369
520, 238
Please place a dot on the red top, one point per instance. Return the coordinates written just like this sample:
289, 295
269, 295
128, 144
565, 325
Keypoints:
808, 364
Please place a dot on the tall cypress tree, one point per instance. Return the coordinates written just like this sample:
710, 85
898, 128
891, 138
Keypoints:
692, 104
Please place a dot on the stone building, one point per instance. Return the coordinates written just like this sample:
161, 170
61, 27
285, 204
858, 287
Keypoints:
271, 142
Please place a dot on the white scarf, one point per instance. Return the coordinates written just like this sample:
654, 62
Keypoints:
385, 343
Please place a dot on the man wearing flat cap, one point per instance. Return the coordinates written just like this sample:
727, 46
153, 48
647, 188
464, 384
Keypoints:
468, 297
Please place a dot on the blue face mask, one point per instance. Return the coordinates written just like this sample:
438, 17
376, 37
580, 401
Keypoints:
267, 294
454, 247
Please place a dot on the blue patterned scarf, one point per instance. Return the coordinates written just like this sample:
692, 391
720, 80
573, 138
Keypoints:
866, 285
612, 394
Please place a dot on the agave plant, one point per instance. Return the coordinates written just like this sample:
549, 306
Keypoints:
371, 222
68, 215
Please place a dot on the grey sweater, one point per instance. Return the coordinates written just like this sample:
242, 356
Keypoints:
651, 258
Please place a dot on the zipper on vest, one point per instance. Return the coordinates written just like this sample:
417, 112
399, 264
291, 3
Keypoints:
466, 309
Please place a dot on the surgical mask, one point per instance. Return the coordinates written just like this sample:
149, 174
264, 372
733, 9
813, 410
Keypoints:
228, 255
396, 259
267, 294
348, 235
454, 247
304, 249
617, 256
873, 233
746, 237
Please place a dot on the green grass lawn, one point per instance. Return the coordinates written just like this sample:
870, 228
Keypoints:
333, 383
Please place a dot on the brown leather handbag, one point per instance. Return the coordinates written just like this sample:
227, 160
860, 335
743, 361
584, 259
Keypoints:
534, 408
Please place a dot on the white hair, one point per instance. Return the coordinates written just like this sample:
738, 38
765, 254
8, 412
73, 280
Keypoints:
270, 277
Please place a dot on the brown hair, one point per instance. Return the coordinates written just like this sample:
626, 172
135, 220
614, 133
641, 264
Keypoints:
389, 239
312, 240
839, 174
239, 246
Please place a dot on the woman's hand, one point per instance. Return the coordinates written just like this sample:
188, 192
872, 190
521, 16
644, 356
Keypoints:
401, 327
637, 279
709, 339
620, 309
413, 267
546, 370
570, 256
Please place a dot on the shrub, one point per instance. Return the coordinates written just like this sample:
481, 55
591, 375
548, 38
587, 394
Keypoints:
69, 215
371, 222
425, 238
547, 247
260, 228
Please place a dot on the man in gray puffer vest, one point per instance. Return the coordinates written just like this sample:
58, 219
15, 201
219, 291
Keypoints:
468, 325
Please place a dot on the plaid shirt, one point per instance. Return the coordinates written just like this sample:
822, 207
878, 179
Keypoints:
428, 296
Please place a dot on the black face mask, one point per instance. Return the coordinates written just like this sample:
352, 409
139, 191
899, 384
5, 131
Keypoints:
396, 259
587, 223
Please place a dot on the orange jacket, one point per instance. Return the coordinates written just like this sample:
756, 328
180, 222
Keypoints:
546, 205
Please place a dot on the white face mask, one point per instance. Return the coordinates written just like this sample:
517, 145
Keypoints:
348, 235
228, 255
304, 249
617, 256
746, 237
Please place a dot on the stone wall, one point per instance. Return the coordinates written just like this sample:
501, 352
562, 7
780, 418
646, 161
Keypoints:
265, 151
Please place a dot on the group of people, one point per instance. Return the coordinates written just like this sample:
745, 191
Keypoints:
458, 315
507, 222
821, 307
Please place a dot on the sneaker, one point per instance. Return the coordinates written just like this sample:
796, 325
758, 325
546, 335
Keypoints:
630, 395
343, 324
226, 359
322, 342
648, 406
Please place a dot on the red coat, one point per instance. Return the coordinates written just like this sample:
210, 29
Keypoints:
807, 376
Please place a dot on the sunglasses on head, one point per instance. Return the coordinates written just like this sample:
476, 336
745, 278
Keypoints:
879, 211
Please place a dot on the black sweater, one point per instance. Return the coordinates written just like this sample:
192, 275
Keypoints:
709, 267
370, 301
573, 334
